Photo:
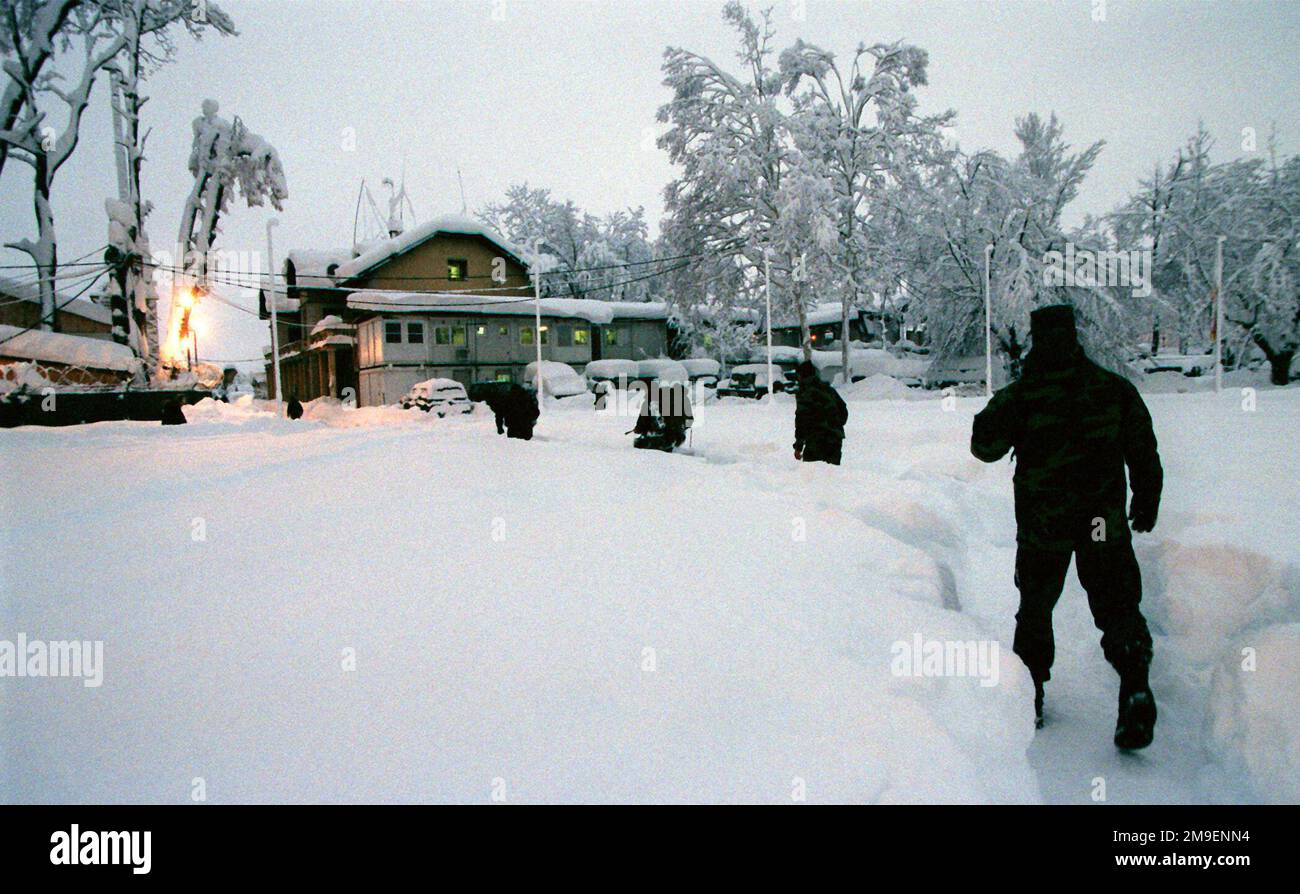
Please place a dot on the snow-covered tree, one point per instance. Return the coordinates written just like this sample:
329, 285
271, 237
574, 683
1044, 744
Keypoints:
54, 53
859, 127
1011, 210
1182, 212
728, 136
131, 289
225, 157
584, 255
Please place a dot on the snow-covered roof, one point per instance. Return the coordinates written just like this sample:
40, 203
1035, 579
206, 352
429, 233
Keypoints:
598, 312
312, 267
69, 350
283, 303
330, 321
638, 310
820, 315
417, 235
78, 307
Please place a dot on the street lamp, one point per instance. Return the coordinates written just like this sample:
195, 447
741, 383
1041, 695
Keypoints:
988, 323
1218, 314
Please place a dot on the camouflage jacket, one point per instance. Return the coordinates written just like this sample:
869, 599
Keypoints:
1073, 427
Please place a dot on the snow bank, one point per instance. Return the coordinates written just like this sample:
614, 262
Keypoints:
1252, 722
1207, 592
881, 387
716, 625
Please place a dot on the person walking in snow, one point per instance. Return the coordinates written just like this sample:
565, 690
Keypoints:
516, 411
819, 417
294, 409
665, 417
1073, 427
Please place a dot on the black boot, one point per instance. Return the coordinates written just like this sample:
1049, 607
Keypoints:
1136, 725
1038, 704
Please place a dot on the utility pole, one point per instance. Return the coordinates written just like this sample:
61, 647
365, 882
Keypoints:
1218, 315
767, 274
270, 292
988, 323
537, 333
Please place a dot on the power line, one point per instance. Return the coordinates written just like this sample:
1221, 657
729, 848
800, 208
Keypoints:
58, 308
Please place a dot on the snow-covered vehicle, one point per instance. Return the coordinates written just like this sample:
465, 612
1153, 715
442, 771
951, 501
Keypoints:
747, 380
604, 375
558, 379
441, 396
663, 371
1188, 364
702, 369
946, 371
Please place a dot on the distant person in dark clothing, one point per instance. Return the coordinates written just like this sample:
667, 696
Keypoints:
295, 407
665, 417
516, 411
172, 413
1073, 428
819, 417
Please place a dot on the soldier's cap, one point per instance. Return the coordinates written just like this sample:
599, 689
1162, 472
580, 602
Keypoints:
806, 370
1055, 319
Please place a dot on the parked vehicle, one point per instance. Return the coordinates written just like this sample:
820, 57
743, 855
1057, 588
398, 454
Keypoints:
947, 371
663, 371
1191, 365
558, 379
747, 380
441, 396
702, 369
605, 375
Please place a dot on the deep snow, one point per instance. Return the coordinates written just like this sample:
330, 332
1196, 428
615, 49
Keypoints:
573, 620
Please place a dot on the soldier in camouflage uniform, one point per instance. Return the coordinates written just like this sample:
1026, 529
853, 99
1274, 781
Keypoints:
1073, 428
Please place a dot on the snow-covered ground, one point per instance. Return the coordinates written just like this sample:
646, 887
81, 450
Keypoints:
377, 605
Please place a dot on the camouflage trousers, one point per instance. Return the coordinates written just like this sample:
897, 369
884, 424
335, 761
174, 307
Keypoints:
1109, 574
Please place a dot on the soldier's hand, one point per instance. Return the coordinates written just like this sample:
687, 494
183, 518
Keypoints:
1142, 515
798, 453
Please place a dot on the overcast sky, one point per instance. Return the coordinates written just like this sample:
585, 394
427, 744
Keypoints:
563, 95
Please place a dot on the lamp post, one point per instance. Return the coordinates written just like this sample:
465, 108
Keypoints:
767, 288
270, 291
988, 323
537, 334
1218, 314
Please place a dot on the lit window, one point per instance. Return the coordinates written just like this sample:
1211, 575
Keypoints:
525, 335
442, 336
611, 336
457, 268
546, 335
581, 336
481, 330
503, 331
503, 375
393, 333
415, 333
458, 335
